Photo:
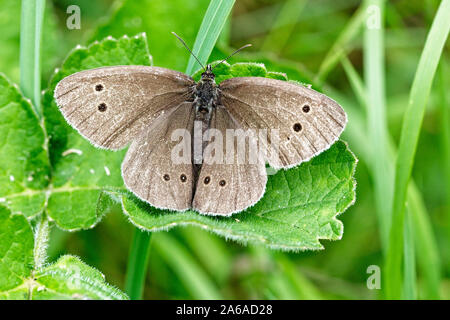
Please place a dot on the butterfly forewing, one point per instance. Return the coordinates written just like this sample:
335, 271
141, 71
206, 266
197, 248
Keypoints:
233, 183
111, 105
151, 169
305, 122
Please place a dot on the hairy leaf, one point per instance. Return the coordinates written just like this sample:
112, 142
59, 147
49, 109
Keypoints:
68, 278
24, 166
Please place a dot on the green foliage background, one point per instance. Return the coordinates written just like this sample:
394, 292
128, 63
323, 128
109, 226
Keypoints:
316, 42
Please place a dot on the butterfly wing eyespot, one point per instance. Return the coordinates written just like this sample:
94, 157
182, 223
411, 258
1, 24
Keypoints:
207, 180
183, 178
102, 107
297, 127
222, 183
166, 177
260, 103
99, 87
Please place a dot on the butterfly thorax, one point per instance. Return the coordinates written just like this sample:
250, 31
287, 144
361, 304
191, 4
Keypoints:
206, 96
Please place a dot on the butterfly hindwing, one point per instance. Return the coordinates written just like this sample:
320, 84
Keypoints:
157, 166
306, 122
111, 105
230, 184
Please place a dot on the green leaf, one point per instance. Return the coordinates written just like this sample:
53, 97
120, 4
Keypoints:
16, 254
24, 167
80, 171
180, 16
68, 278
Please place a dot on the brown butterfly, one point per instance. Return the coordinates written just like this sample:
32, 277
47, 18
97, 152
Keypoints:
115, 106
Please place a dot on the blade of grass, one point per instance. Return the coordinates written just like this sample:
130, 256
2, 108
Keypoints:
303, 287
444, 104
211, 252
342, 44
425, 242
31, 20
137, 264
412, 123
185, 267
426, 247
355, 82
215, 18
284, 25
373, 49
410, 286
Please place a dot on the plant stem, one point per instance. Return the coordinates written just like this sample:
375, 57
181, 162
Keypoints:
32, 18
41, 235
137, 264
31, 21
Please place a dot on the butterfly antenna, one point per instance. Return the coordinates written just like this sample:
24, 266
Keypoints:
243, 47
186, 46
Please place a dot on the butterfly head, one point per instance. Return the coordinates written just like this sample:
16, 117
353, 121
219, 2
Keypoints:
208, 75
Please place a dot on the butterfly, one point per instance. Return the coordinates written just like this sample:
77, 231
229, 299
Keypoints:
142, 106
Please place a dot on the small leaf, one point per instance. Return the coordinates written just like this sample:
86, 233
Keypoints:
68, 278
24, 166
16, 255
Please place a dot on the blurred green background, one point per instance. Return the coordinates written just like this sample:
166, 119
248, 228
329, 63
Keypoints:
316, 41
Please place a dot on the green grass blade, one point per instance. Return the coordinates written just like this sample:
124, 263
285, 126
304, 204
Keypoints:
185, 267
30, 54
425, 243
444, 104
210, 251
215, 18
137, 264
409, 288
342, 44
412, 123
426, 247
284, 25
355, 82
376, 117
304, 288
